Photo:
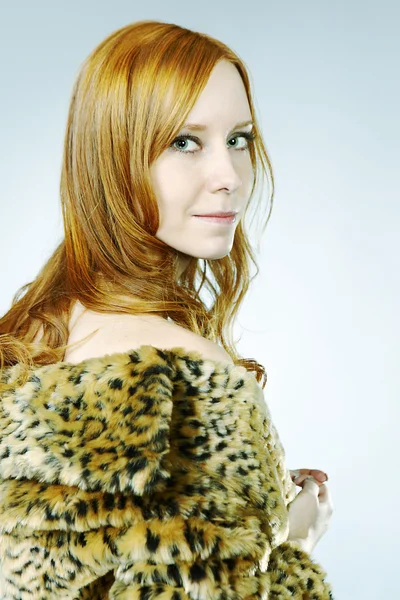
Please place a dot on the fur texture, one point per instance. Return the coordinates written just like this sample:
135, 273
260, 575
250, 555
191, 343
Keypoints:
150, 474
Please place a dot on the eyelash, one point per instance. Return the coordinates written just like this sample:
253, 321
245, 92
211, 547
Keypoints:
250, 137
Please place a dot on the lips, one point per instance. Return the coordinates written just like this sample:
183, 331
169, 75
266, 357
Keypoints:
213, 219
227, 214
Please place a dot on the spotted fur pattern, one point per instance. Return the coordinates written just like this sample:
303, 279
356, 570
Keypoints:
142, 475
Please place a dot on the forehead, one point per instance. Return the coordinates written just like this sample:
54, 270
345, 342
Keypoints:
223, 99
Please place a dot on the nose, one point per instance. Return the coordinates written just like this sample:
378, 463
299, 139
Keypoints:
224, 171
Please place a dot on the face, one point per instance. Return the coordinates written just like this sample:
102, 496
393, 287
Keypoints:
210, 173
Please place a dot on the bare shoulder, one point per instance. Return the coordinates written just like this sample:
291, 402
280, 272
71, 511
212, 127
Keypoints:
126, 332
207, 348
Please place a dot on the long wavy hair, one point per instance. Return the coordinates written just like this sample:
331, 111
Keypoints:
130, 99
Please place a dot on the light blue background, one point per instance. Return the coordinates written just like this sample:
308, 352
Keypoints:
323, 316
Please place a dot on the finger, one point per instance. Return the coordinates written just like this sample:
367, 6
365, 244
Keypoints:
311, 486
325, 494
299, 480
298, 475
319, 475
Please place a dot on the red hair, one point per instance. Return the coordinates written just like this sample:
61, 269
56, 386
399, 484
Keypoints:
130, 99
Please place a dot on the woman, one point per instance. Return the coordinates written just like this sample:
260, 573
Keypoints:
143, 462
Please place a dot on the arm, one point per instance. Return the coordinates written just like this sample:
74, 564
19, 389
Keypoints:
293, 573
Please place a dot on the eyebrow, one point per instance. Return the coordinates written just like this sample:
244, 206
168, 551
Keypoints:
197, 127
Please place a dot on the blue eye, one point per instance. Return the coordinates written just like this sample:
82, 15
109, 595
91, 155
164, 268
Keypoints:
250, 137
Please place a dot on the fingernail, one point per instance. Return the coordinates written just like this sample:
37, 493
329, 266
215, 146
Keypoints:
322, 477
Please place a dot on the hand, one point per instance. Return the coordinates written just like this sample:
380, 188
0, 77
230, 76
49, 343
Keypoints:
311, 511
299, 475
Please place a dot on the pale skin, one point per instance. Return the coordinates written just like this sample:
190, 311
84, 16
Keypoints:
208, 175
212, 173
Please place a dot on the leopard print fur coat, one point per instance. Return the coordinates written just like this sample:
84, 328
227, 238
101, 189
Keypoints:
143, 475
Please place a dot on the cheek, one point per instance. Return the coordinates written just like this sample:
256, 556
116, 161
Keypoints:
248, 175
175, 187
170, 177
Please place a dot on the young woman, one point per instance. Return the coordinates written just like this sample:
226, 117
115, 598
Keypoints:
138, 459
